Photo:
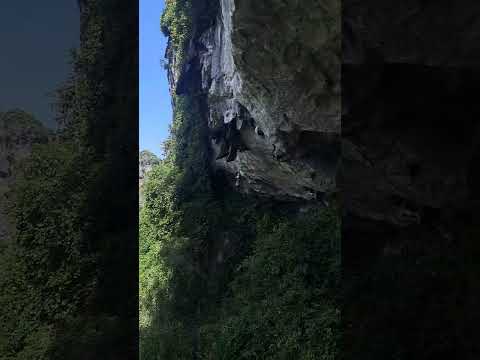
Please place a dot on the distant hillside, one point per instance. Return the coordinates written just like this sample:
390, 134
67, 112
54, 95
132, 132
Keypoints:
18, 132
147, 160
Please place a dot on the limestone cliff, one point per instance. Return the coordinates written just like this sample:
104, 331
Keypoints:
270, 74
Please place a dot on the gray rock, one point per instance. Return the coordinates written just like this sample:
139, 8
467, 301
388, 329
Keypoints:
274, 68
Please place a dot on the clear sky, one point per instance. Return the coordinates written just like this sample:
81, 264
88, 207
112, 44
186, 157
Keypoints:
155, 106
36, 37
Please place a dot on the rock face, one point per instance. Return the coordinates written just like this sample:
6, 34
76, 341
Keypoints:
271, 73
276, 103
407, 111
18, 132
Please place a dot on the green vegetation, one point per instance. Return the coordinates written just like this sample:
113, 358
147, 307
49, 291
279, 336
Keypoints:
173, 225
176, 23
66, 265
283, 295
274, 295
52, 275
148, 158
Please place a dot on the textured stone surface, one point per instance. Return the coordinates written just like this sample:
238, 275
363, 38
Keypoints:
271, 70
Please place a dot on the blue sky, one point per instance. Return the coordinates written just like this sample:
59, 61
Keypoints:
155, 106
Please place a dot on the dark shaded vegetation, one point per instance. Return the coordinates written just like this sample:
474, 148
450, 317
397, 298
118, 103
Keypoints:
282, 303
68, 280
224, 276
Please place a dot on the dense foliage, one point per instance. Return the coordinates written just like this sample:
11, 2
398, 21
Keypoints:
53, 274
177, 25
283, 302
67, 290
173, 227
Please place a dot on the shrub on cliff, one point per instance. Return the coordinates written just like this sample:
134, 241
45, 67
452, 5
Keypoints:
176, 24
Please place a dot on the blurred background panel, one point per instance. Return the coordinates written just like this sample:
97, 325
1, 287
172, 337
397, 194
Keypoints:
36, 40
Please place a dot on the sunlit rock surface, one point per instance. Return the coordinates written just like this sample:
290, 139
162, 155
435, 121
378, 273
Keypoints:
271, 73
